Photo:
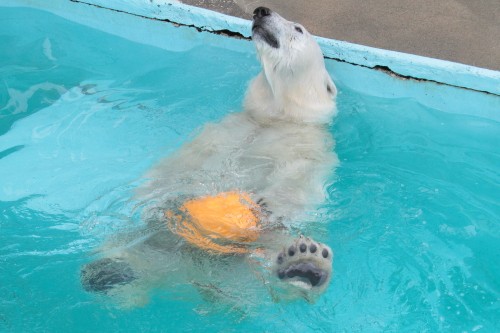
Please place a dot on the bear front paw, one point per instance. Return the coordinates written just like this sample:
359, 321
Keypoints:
305, 263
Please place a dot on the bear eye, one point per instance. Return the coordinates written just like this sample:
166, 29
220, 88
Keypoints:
298, 29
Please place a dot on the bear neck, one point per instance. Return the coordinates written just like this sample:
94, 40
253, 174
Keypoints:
306, 101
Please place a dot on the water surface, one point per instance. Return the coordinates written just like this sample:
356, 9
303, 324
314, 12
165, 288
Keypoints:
412, 213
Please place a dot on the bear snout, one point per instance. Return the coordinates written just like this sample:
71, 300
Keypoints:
262, 28
260, 12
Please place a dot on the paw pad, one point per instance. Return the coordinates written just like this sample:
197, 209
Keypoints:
305, 263
105, 274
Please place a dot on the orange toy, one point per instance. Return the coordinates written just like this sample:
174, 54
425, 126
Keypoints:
224, 223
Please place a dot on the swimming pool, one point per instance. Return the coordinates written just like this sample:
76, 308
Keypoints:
412, 215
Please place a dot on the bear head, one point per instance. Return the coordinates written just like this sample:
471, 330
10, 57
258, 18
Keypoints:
294, 84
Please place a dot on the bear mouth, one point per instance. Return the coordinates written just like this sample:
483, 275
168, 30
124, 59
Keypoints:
304, 273
259, 31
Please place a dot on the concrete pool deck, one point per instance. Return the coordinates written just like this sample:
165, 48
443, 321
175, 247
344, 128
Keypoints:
461, 31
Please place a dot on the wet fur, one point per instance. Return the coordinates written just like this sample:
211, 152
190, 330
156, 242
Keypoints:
279, 149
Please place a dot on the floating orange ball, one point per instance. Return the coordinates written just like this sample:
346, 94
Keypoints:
224, 223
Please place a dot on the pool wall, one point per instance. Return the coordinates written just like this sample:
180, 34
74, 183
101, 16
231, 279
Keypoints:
468, 89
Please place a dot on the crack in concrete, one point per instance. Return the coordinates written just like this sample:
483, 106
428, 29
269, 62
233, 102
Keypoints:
223, 32
387, 70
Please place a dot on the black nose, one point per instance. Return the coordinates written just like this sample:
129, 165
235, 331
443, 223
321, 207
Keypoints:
260, 12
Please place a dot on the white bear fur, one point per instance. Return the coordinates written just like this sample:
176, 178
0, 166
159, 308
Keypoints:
279, 148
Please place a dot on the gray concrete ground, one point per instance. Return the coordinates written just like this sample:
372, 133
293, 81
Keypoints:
465, 31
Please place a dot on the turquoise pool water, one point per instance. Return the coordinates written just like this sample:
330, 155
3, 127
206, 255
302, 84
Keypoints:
413, 215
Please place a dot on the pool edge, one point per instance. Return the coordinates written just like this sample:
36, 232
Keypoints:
401, 65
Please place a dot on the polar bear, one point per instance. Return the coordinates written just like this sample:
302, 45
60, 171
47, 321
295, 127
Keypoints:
275, 155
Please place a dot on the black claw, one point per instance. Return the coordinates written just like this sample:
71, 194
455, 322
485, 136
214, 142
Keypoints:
313, 248
325, 253
303, 247
291, 251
